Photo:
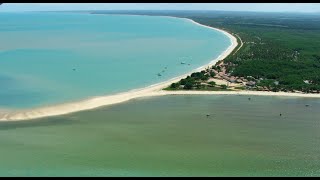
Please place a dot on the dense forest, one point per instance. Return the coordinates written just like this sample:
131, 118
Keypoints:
281, 51
282, 48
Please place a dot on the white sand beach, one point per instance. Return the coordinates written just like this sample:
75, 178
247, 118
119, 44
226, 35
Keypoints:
153, 90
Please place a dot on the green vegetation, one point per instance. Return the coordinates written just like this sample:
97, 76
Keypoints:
196, 82
280, 51
212, 74
223, 86
212, 83
240, 88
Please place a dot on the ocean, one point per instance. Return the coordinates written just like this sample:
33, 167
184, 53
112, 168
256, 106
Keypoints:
170, 136
54, 58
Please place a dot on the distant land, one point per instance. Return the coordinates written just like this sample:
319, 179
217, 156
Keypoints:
230, 94
280, 51
273, 54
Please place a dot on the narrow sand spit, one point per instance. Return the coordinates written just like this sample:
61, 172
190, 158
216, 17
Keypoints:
153, 90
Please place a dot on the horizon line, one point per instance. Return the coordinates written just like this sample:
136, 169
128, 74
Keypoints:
299, 12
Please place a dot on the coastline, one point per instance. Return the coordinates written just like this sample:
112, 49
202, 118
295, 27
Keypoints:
153, 90
95, 102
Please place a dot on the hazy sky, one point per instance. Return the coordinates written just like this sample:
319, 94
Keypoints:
267, 7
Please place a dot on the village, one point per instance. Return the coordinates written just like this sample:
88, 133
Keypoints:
222, 77
217, 78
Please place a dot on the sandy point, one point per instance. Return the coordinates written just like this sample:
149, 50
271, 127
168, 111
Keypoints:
153, 90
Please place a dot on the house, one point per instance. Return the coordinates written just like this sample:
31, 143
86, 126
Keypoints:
226, 78
232, 79
306, 81
239, 81
251, 83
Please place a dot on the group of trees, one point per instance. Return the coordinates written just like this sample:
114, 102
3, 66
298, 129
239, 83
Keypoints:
292, 74
195, 81
286, 52
190, 82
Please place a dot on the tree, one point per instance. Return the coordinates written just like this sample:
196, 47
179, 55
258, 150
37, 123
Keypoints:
183, 81
275, 89
205, 78
212, 83
200, 86
223, 86
188, 86
174, 85
212, 74
218, 68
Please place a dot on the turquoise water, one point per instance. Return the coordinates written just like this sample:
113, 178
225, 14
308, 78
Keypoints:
51, 58
170, 136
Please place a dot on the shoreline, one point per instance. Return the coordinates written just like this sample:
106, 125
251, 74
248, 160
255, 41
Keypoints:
241, 92
149, 91
95, 102
122, 97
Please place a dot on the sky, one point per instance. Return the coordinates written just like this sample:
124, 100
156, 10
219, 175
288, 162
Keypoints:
262, 7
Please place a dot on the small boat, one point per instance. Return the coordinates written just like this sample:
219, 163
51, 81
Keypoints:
183, 62
208, 115
159, 74
307, 105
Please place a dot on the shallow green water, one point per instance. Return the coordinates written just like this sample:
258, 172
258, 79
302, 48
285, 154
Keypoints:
170, 136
